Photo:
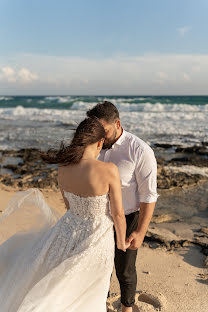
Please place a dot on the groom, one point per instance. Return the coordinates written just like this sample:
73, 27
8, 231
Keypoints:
138, 172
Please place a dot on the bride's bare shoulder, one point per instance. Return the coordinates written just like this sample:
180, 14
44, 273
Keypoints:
109, 168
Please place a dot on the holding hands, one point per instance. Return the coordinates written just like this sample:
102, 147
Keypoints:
135, 240
123, 246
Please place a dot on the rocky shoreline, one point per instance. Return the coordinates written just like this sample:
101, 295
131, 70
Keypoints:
180, 218
24, 168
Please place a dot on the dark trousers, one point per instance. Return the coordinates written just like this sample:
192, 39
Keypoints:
125, 265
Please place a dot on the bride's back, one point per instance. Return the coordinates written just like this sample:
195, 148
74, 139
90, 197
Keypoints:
88, 178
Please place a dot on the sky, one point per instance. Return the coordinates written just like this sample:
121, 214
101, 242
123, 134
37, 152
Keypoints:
96, 47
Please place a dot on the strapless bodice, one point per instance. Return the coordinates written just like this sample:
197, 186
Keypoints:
88, 207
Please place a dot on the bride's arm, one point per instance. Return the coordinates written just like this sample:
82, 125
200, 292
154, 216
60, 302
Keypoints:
116, 205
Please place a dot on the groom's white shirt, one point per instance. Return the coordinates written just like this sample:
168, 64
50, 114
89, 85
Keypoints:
138, 170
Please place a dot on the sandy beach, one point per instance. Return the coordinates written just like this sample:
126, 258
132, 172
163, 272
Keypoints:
172, 270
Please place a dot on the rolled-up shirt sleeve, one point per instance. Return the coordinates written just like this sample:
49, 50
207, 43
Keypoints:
146, 175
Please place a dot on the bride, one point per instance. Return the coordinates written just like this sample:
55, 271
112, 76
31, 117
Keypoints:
52, 263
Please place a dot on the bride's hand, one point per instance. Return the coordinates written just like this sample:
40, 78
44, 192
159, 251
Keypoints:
124, 246
127, 243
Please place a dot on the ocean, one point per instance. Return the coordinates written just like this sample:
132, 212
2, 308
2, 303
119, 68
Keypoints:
43, 121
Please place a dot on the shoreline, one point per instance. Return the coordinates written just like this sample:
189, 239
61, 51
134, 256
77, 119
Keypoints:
180, 167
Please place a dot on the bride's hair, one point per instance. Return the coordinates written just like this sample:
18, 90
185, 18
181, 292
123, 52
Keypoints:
89, 131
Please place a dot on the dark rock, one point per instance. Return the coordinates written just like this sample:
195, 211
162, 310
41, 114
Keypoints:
203, 151
33, 172
20, 184
23, 170
31, 154
169, 178
156, 241
179, 159
11, 167
200, 150
205, 251
154, 245
161, 161
156, 238
175, 244
163, 145
7, 180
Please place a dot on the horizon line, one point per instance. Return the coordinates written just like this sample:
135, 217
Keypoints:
145, 95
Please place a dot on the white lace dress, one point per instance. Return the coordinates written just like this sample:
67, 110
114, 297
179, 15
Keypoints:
55, 264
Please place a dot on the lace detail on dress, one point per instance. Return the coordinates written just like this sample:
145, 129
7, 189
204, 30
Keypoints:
81, 227
88, 207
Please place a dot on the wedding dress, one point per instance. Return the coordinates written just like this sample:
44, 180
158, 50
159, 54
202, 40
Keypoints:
53, 263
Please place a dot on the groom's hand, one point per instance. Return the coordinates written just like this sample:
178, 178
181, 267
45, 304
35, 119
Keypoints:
135, 240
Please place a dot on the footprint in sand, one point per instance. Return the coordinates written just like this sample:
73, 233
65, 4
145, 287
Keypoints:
144, 302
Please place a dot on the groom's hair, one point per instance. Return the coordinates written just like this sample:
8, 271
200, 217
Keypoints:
105, 110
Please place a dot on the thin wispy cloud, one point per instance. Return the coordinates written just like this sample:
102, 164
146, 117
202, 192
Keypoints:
146, 74
183, 30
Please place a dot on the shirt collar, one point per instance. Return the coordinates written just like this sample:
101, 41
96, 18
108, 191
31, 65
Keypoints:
120, 139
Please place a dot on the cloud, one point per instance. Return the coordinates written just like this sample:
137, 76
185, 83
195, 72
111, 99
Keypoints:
183, 30
163, 78
10, 75
186, 77
142, 74
26, 76
163, 75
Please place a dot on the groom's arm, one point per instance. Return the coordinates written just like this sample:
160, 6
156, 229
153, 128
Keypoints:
145, 215
146, 176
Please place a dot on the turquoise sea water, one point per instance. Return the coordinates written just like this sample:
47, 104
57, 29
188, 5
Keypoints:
66, 102
42, 121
